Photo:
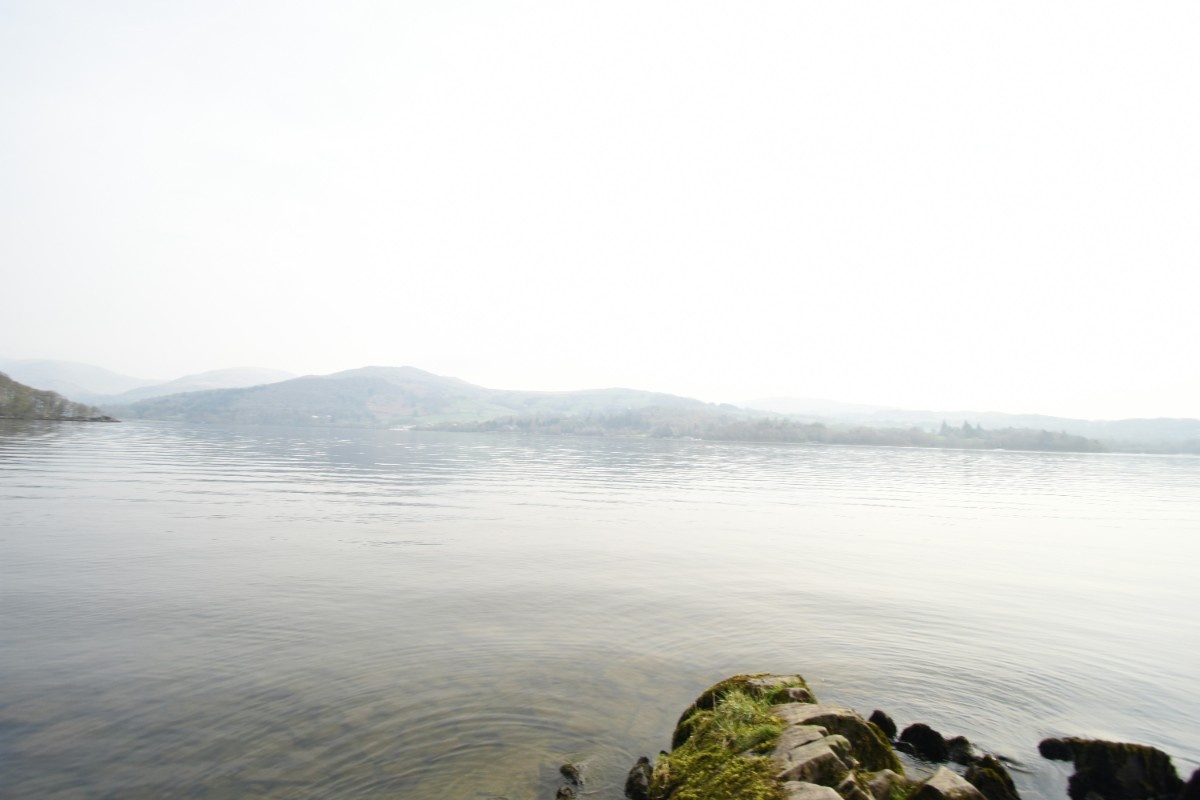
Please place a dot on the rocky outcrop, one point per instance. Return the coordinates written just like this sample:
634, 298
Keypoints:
1115, 770
766, 737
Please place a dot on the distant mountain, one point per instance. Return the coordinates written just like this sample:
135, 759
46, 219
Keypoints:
1155, 435
80, 381
235, 378
92, 384
18, 401
384, 397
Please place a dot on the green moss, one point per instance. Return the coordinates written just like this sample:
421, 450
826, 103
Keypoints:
902, 789
767, 688
724, 752
871, 747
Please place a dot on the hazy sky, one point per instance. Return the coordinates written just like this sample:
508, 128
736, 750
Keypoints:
930, 204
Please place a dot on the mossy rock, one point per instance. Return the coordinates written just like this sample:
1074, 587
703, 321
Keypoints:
990, 777
764, 686
868, 743
723, 742
726, 745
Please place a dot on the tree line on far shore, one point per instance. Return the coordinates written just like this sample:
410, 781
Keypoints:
698, 424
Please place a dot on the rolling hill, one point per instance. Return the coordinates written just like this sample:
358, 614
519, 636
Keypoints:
384, 397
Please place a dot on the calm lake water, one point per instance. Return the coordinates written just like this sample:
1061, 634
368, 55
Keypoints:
283, 613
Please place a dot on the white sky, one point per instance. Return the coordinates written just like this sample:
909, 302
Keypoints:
931, 204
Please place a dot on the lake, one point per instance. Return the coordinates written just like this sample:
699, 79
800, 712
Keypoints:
262, 612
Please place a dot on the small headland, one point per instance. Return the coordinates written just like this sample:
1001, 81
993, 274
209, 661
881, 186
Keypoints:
767, 737
21, 402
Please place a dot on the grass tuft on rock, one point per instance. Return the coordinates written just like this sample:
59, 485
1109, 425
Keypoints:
725, 753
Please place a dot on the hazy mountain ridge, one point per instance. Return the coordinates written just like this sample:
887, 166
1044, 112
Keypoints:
71, 378
18, 401
234, 378
410, 397
92, 384
379, 396
384, 397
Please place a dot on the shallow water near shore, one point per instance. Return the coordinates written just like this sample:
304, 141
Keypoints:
281, 613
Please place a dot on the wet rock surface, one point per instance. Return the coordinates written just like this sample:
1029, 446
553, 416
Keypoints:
946, 785
1115, 770
572, 782
991, 778
925, 742
1191, 791
767, 737
637, 783
885, 723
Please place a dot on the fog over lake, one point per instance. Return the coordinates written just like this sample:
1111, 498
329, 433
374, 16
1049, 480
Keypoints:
281, 613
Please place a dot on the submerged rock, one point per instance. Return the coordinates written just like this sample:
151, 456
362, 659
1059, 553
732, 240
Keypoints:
960, 751
1115, 770
571, 773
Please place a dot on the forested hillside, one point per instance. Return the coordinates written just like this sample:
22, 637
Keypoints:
18, 401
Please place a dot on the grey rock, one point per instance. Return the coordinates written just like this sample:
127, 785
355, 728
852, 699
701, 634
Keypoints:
819, 761
799, 790
882, 783
850, 790
946, 785
797, 694
762, 684
871, 748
